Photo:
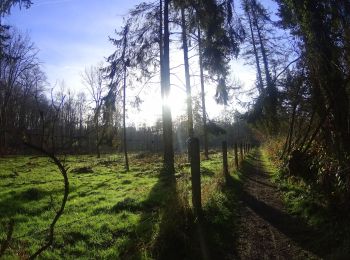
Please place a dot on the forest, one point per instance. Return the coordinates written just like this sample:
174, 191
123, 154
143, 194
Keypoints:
269, 178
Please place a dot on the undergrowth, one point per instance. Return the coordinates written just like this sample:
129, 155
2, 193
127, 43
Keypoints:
303, 200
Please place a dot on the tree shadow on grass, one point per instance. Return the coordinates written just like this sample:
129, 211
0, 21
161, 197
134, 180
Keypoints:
16, 202
207, 172
165, 230
221, 220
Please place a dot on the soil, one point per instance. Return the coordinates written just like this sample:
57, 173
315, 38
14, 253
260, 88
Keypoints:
267, 231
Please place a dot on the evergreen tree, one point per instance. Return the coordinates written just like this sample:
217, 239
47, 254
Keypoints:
5, 9
323, 30
261, 37
117, 72
165, 90
217, 42
149, 40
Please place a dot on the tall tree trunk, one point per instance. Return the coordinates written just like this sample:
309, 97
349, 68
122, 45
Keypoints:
124, 123
2, 107
97, 135
161, 50
300, 144
187, 75
165, 87
204, 112
258, 69
289, 139
262, 48
125, 64
271, 91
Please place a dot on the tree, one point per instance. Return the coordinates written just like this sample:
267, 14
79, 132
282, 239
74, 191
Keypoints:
6, 5
20, 77
119, 61
94, 81
27, 137
147, 43
125, 65
204, 111
260, 39
322, 28
183, 6
165, 88
313, 93
218, 36
81, 110
5, 9
187, 74
247, 10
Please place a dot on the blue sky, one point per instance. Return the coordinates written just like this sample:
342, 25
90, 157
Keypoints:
70, 34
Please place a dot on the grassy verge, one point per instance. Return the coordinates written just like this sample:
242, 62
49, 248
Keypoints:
110, 213
221, 213
309, 204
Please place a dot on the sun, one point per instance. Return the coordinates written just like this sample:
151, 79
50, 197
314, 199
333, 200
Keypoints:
151, 109
177, 102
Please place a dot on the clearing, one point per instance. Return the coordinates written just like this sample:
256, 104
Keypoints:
110, 213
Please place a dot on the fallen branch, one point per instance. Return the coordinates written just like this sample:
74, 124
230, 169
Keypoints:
63, 171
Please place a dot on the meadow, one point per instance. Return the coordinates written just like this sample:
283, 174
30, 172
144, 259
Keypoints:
110, 213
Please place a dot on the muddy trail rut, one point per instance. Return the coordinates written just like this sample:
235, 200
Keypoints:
267, 231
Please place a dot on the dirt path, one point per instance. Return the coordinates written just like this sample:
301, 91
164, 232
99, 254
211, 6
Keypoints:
267, 230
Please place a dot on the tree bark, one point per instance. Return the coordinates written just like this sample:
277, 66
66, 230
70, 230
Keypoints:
97, 135
271, 91
263, 50
63, 170
125, 148
187, 75
236, 155
241, 150
124, 122
165, 86
261, 83
204, 112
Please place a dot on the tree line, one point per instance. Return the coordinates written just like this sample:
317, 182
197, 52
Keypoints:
304, 107
63, 120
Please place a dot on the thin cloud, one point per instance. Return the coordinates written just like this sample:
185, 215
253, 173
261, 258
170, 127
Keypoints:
50, 2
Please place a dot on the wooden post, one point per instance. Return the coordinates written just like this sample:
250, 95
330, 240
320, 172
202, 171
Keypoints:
236, 155
224, 160
189, 154
195, 177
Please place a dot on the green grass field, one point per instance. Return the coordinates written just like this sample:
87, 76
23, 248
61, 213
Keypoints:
110, 213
